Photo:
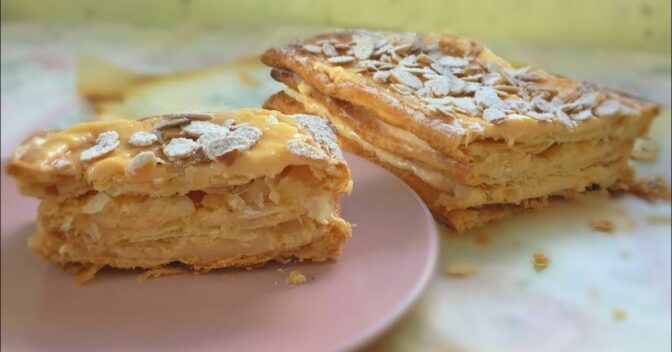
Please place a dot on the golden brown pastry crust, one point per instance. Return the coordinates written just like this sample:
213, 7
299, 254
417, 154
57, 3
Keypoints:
447, 130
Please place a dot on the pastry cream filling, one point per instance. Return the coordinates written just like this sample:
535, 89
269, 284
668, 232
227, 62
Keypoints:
284, 237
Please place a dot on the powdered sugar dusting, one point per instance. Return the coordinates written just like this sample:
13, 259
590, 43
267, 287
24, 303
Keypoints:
179, 148
415, 67
241, 138
300, 146
142, 139
199, 128
323, 133
105, 143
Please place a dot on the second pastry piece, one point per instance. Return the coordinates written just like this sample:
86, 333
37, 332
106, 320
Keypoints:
477, 138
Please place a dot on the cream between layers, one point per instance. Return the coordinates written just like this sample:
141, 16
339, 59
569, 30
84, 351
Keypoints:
455, 195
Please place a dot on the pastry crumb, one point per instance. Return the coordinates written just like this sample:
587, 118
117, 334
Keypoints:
460, 269
296, 278
602, 225
619, 314
540, 261
154, 273
650, 190
482, 239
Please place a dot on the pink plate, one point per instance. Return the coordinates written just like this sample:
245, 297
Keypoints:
383, 269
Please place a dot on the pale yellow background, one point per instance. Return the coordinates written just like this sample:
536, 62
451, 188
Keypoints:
627, 24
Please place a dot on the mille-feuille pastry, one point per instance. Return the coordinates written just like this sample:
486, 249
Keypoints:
207, 190
477, 138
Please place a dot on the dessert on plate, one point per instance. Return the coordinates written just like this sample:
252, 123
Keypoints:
476, 137
207, 190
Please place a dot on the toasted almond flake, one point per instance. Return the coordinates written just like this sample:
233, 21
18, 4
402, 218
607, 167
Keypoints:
242, 138
423, 92
60, 163
340, 60
401, 89
406, 78
105, 143
502, 95
179, 148
140, 160
493, 114
363, 48
492, 79
541, 116
402, 49
198, 128
341, 46
453, 61
381, 76
386, 48
413, 69
487, 96
531, 77
408, 61
171, 123
296, 278
541, 104
465, 104
424, 59
441, 70
439, 86
507, 89
564, 118
608, 107
313, 49
142, 139
329, 50
96, 203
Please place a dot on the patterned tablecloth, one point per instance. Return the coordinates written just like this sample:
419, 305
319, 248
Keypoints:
600, 292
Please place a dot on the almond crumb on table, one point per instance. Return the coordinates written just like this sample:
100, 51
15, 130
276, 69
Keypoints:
460, 269
540, 261
619, 314
296, 277
603, 225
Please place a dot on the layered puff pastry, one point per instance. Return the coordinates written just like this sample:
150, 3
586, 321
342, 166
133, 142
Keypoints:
477, 138
205, 190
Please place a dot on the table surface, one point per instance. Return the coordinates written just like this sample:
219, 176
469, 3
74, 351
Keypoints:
600, 292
